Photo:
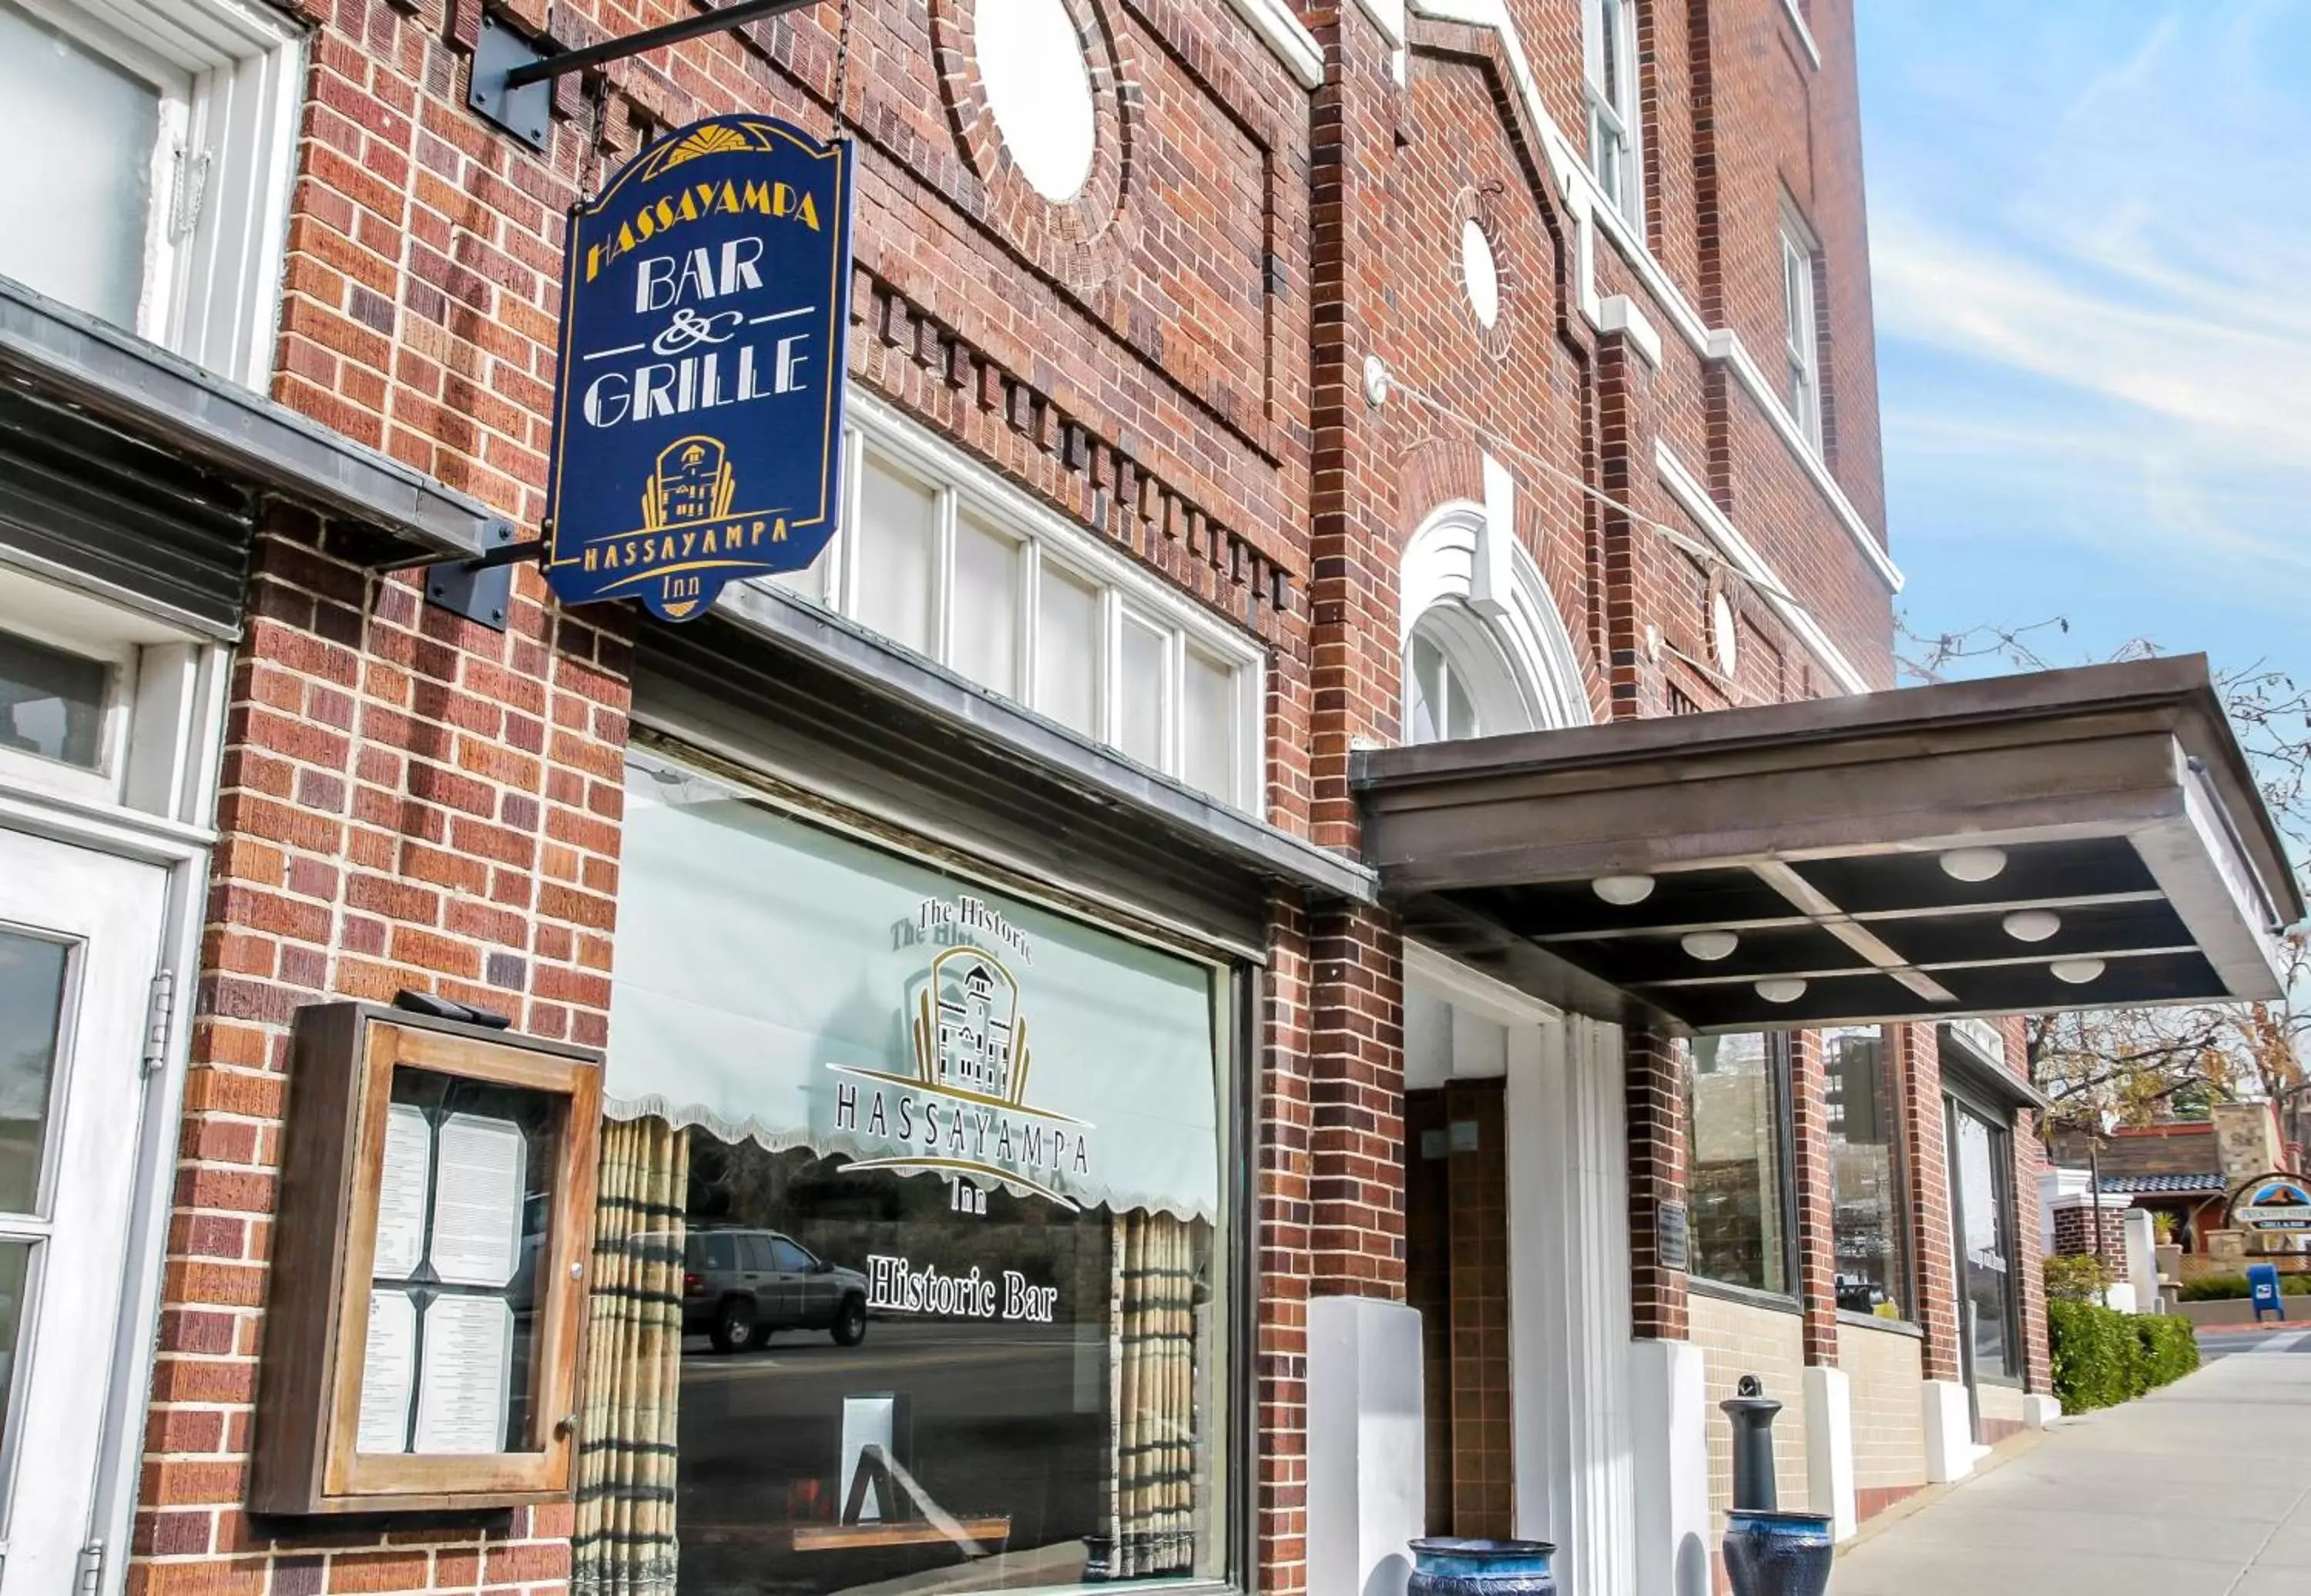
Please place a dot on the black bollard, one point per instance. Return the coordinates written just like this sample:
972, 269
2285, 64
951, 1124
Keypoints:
1752, 1413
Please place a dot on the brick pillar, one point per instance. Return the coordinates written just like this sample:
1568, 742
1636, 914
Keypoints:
1933, 1284
1655, 1096
1625, 478
1284, 1232
1816, 1212
1484, 1479
1356, 1106
2029, 1158
407, 800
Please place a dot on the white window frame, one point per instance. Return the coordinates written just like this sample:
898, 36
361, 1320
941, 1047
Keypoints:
1609, 40
1045, 537
1801, 327
231, 76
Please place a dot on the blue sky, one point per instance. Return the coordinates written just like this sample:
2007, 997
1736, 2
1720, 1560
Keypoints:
2090, 225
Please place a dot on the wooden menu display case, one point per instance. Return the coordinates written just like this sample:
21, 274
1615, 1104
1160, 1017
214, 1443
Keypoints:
423, 1333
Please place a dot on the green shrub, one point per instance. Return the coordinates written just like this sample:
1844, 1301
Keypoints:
2100, 1362
2102, 1358
2219, 1288
2076, 1278
2170, 1346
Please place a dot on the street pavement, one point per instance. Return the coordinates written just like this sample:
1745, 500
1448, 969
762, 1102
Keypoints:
2201, 1489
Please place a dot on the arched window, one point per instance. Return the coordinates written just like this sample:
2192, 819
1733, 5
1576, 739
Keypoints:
1472, 670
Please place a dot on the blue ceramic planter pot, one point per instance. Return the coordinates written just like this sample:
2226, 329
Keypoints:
1778, 1554
1449, 1566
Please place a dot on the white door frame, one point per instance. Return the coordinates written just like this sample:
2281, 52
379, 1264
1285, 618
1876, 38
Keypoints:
156, 807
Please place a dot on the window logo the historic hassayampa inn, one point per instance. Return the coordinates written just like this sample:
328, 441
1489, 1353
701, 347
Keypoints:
964, 1110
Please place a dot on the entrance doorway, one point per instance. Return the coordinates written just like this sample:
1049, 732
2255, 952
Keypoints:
1982, 1219
80, 943
1516, 1255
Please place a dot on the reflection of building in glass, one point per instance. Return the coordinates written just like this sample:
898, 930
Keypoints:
978, 1009
1734, 1187
1862, 1171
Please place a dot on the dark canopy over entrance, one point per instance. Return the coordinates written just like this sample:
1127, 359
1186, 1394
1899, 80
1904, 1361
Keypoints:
2075, 839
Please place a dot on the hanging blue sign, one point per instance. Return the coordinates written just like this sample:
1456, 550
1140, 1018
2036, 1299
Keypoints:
698, 415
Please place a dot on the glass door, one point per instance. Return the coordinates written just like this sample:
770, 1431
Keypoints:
1981, 1207
80, 940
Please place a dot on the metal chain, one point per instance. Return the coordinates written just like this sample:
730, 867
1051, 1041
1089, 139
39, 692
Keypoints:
589, 170
842, 69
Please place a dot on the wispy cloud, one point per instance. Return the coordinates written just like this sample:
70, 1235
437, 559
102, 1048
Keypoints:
2090, 235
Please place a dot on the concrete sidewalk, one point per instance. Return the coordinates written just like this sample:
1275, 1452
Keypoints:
2202, 1489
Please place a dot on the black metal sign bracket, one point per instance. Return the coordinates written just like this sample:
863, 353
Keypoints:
512, 83
478, 586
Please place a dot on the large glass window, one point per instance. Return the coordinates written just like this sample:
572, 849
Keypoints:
956, 1286
941, 559
1872, 1268
1982, 1199
1736, 1125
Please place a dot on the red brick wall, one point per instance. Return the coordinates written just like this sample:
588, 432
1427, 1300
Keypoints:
1817, 1209
1655, 1081
1925, 1152
408, 800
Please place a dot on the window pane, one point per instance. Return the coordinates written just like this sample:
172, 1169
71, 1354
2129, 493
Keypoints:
897, 520
1066, 649
985, 606
1871, 1273
15, 1261
1427, 694
1733, 1112
51, 703
1146, 692
1208, 734
33, 975
91, 186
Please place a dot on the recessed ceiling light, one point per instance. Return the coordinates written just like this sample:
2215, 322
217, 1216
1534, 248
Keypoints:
2076, 971
1973, 864
2032, 925
1623, 890
1786, 989
1709, 946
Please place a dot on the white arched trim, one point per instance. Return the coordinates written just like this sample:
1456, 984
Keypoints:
1538, 682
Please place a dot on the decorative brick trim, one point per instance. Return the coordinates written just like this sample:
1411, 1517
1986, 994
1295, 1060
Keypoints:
1482, 207
1285, 1222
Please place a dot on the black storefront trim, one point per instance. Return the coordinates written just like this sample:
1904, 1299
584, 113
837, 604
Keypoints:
91, 390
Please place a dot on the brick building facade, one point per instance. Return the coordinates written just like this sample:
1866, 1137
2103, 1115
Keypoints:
1394, 373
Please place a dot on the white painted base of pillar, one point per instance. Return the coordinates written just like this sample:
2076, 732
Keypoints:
2040, 1410
1829, 1447
1367, 1452
1670, 1435
1949, 1431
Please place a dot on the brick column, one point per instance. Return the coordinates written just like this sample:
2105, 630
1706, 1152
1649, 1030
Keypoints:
1933, 1280
407, 800
1817, 1210
1283, 1219
1356, 1069
1655, 1102
2029, 1158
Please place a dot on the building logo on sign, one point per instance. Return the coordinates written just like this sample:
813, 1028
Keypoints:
963, 1111
699, 413
2277, 1201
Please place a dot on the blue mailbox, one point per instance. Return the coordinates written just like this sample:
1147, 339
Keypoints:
2262, 1286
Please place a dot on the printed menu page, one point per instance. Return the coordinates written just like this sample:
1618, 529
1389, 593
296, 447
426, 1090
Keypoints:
466, 1367
477, 1201
389, 1373
407, 1178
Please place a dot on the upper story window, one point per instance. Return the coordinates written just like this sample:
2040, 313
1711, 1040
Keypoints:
943, 558
1440, 695
1611, 81
1801, 332
152, 138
